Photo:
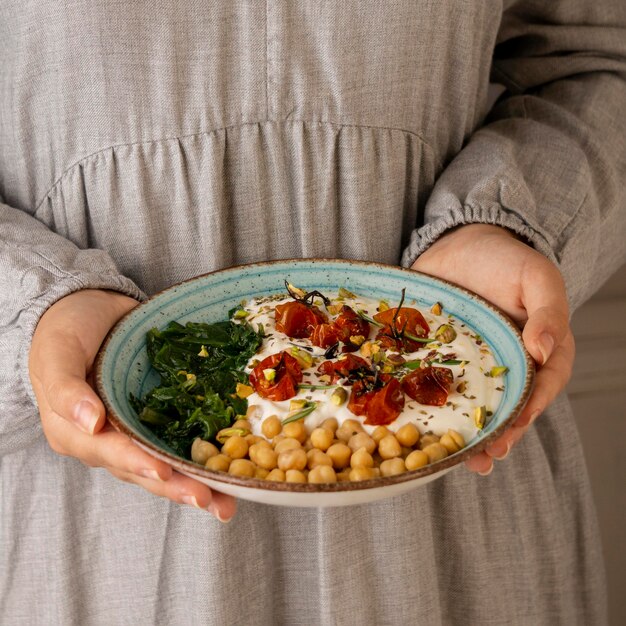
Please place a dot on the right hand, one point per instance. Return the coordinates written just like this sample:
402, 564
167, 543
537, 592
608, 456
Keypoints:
73, 417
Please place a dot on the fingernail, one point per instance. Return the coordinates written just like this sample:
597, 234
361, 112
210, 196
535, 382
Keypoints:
502, 456
546, 345
487, 472
215, 511
86, 416
151, 474
191, 500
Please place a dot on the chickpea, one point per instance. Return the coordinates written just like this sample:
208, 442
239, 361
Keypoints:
435, 452
408, 435
254, 411
218, 463
322, 474
202, 451
415, 460
276, 475
388, 447
452, 441
271, 426
322, 438
330, 424
243, 424
242, 467
426, 440
235, 447
347, 429
339, 454
344, 475
362, 473
361, 458
295, 430
263, 456
391, 467
362, 440
295, 476
288, 443
252, 439
379, 433
292, 459
316, 457
261, 472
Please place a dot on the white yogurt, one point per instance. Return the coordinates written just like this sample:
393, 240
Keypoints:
457, 414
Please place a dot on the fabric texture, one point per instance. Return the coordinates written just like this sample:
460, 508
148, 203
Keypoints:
144, 144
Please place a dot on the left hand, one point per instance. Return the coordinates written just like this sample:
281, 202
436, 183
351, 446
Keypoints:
492, 262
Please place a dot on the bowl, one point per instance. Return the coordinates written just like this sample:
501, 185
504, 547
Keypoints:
122, 366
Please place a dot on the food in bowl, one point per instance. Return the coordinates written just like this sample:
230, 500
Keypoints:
319, 388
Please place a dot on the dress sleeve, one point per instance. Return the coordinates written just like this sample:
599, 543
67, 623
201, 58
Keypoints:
550, 161
37, 268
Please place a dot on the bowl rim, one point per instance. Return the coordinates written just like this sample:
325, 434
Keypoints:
194, 469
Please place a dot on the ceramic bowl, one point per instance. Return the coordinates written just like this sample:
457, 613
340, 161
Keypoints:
122, 367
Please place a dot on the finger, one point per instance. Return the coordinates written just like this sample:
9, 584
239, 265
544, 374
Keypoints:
184, 490
107, 448
480, 463
545, 300
59, 381
550, 381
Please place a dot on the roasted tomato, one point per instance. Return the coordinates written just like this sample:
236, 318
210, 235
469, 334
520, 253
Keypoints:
297, 319
359, 398
381, 405
408, 320
385, 404
287, 375
430, 385
349, 324
324, 335
342, 367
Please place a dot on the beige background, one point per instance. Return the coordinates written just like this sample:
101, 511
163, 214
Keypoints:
598, 392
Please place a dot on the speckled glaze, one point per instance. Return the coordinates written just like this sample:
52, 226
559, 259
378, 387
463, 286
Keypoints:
122, 366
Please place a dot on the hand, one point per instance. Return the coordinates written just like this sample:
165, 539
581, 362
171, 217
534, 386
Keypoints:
493, 263
63, 349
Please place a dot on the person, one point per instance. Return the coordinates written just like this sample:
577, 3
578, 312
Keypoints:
145, 144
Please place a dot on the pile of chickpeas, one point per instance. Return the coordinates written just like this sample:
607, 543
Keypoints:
330, 453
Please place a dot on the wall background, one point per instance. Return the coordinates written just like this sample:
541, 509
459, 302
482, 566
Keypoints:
598, 394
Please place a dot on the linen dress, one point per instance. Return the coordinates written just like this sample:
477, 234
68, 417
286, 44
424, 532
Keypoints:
143, 143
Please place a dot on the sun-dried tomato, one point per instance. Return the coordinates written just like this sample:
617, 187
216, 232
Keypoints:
284, 384
430, 385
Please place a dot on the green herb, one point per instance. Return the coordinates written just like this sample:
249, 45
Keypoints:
416, 364
199, 366
305, 386
307, 409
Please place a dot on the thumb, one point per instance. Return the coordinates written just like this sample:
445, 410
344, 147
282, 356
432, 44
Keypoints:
60, 377
545, 300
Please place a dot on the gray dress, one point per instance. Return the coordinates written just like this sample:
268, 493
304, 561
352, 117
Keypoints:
144, 143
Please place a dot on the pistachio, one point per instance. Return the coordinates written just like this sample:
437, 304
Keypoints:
344, 293
243, 391
240, 314
445, 333
395, 359
226, 433
339, 396
296, 290
436, 308
203, 352
324, 378
498, 371
334, 309
357, 340
480, 415
305, 360
383, 305
297, 405
461, 387
270, 374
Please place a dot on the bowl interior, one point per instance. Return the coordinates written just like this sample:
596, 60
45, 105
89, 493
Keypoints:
123, 367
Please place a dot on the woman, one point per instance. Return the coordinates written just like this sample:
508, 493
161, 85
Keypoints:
144, 145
